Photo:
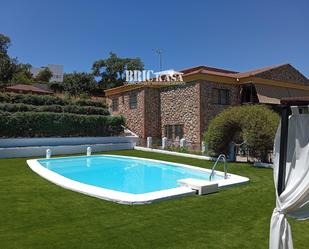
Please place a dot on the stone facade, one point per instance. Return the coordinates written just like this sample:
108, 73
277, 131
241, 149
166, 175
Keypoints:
180, 106
209, 109
192, 106
152, 113
189, 105
284, 73
135, 118
145, 119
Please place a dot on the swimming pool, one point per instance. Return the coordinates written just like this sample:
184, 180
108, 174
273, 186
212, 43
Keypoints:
123, 179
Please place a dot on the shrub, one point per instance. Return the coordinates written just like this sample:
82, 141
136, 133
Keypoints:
46, 124
56, 86
89, 110
254, 124
31, 99
44, 75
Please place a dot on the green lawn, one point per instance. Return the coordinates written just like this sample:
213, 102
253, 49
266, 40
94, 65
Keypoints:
35, 213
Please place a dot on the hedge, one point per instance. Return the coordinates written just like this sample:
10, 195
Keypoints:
89, 110
46, 124
32, 99
254, 124
88, 102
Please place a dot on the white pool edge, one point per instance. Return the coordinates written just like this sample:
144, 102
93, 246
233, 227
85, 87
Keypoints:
127, 198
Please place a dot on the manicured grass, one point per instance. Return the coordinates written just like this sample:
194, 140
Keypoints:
35, 213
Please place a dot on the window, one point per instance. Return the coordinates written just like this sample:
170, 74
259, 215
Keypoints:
173, 131
168, 131
178, 131
115, 105
249, 94
220, 96
133, 101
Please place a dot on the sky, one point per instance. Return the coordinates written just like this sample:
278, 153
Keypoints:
238, 35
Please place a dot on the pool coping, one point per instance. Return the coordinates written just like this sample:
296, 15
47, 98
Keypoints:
123, 197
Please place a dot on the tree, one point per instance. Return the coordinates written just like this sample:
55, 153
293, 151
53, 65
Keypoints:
256, 125
7, 69
25, 69
111, 70
56, 87
5, 43
7, 65
79, 83
22, 74
44, 75
21, 78
10, 69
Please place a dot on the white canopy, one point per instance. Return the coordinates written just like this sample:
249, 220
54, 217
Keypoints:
294, 201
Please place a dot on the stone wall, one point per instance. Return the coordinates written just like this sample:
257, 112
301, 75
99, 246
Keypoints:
208, 109
284, 73
152, 113
180, 106
134, 117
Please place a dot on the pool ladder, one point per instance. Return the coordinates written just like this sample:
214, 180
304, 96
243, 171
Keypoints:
223, 157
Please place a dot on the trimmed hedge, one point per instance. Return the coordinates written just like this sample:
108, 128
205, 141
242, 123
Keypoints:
89, 110
88, 102
47, 124
32, 99
254, 124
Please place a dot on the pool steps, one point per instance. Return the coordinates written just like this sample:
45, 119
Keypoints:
203, 187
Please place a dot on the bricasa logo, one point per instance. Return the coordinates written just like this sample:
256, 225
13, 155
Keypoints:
138, 76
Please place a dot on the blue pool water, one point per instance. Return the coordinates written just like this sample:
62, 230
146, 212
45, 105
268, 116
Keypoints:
135, 176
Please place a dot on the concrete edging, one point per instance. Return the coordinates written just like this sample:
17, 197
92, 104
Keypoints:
174, 153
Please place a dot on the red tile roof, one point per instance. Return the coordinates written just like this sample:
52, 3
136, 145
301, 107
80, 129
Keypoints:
258, 71
27, 88
226, 73
231, 76
212, 69
211, 72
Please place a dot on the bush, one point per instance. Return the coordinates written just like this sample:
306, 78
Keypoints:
89, 110
44, 75
254, 124
56, 86
46, 124
32, 99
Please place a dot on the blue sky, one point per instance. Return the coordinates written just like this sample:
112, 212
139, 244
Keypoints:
238, 35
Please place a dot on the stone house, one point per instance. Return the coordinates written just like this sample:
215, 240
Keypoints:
185, 110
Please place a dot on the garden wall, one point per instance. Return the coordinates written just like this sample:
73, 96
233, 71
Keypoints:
36, 147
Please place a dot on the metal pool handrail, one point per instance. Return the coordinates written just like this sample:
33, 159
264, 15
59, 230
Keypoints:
214, 167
